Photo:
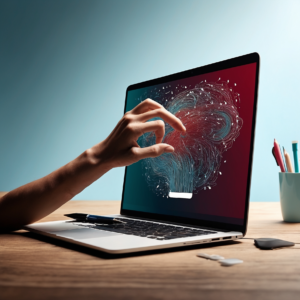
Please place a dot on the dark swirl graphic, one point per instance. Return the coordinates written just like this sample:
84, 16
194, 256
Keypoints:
210, 115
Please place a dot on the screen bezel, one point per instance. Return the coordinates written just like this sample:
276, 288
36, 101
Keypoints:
226, 64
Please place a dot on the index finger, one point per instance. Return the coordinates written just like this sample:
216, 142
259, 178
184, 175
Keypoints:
165, 115
145, 106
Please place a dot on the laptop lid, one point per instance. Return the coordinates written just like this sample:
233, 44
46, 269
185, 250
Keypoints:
206, 181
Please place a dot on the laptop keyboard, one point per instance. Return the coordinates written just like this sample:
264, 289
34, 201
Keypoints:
148, 229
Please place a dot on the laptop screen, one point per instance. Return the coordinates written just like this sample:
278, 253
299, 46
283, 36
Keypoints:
207, 179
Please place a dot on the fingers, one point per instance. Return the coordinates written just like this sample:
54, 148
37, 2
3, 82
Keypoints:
152, 151
165, 115
158, 127
145, 106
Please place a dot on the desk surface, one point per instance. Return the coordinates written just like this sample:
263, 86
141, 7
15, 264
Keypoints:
34, 267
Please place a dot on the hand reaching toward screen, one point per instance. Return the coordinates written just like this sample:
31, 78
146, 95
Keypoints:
120, 148
35, 200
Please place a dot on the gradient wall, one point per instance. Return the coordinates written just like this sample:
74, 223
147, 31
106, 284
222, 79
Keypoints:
65, 66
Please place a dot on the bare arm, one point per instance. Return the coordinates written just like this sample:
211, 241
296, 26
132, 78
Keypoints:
39, 198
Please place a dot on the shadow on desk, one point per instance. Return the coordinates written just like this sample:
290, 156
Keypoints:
103, 255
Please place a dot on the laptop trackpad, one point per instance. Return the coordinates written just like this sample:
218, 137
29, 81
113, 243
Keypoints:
84, 233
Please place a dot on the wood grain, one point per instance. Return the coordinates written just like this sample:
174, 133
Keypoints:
34, 267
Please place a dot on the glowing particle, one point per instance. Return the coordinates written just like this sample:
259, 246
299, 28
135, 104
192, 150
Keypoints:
235, 84
220, 173
224, 161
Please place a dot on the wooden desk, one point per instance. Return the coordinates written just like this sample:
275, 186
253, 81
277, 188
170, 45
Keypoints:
33, 267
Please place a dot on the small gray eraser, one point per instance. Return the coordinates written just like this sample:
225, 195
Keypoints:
203, 255
216, 257
230, 261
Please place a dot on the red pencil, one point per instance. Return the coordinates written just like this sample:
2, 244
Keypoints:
278, 156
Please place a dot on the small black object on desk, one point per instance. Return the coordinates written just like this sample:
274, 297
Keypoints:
269, 244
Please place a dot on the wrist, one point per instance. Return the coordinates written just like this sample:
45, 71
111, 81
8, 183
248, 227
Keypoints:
96, 157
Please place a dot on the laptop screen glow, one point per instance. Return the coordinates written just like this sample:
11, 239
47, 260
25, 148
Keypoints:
206, 177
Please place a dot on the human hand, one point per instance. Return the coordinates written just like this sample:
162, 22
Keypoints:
120, 148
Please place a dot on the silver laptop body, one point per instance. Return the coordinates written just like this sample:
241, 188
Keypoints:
163, 217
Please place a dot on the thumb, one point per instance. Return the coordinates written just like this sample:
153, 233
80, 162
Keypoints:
152, 151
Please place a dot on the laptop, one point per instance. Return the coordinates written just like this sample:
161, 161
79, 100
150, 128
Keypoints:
200, 193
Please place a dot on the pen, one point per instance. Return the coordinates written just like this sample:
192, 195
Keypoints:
295, 152
288, 161
278, 156
283, 158
93, 218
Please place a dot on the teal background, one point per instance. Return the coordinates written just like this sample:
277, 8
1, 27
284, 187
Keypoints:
65, 66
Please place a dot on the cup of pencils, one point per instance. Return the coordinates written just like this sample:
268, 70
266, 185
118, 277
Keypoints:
289, 182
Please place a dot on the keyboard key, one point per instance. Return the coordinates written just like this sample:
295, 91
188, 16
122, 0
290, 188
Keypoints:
148, 229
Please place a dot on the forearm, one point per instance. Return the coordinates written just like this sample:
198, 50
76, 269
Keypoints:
37, 199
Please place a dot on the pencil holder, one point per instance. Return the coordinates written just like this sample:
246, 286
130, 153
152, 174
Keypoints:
289, 185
